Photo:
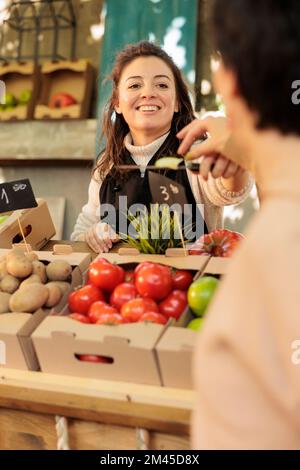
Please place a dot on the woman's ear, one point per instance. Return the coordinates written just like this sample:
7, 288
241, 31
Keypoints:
176, 109
117, 109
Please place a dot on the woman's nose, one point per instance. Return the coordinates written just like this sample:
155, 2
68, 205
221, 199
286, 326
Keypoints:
148, 91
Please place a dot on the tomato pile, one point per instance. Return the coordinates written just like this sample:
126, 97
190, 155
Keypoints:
151, 293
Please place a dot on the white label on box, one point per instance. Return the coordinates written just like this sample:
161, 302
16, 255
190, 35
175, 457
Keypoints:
2, 353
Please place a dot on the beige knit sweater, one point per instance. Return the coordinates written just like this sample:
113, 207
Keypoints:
211, 194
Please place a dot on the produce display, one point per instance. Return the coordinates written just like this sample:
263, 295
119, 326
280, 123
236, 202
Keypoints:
27, 284
61, 100
152, 293
11, 101
219, 242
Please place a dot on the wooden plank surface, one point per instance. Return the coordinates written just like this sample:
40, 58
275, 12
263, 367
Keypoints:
117, 403
21, 430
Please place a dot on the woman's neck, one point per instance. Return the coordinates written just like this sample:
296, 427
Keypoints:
142, 139
275, 162
147, 150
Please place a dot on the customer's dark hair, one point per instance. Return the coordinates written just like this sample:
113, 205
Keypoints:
260, 41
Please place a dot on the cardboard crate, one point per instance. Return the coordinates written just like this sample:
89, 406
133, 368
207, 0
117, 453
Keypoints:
176, 347
37, 226
19, 77
130, 347
16, 347
72, 77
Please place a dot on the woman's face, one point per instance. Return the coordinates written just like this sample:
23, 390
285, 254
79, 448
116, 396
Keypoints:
147, 98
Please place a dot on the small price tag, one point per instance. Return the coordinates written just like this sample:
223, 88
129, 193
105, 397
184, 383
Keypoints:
16, 195
166, 191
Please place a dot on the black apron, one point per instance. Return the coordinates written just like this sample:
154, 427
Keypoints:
135, 187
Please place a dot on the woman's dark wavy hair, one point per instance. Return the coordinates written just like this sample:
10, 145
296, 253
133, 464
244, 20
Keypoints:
115, 128
260, 41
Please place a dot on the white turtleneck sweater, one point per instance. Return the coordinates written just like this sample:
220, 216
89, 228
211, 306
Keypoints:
142, 154
211, 193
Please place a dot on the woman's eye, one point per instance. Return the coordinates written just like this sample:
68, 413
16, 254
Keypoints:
134, 86
162, 85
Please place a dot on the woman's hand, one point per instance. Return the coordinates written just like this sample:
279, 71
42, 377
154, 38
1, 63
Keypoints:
212, 150
100, 237
218, 133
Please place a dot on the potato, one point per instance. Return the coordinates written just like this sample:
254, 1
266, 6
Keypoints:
15, 252
55, 294
29, 298
9, 284
40, 269
19, 266
4, 302
33, 279
58, 270
32, 256
64, 286
3, 270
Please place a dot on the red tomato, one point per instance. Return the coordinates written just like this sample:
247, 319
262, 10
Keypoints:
182, 279
79, 317
98, 309
154, 281
93, 358
110, 319
122, 294
219, 242
105, 275
141, 266
174, 305
129, 277
153, 317
81, 299
133, 309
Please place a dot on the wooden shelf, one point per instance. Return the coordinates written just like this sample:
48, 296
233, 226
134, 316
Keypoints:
116, 403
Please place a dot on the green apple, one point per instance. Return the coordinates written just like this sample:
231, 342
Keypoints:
10, 100
25, 97
196, 324
200, 294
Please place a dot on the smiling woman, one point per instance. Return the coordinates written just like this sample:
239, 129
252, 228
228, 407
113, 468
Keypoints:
147, 99
148, 106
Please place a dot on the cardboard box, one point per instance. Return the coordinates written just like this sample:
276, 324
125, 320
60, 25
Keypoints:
173, 257
16, 347
36, 223
72, 77
130, 347
19, 77
176, 347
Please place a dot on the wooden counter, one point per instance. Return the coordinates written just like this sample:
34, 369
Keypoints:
101, 415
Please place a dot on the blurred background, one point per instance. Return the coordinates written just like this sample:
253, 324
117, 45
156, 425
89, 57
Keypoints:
54, 57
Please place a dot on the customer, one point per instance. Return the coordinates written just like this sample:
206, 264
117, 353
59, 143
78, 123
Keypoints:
246, 371
149, 104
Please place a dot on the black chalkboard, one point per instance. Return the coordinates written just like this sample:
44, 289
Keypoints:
166, 191
16, 195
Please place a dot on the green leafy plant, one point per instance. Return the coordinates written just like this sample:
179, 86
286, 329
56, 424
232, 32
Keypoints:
155, 231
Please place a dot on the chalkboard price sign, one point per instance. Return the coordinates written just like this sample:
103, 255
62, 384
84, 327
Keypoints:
16, 195
166, 191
